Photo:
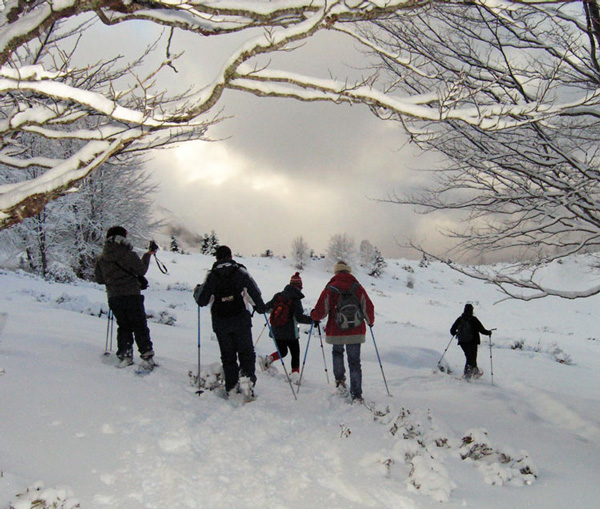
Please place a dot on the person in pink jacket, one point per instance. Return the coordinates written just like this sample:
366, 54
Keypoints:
343, 330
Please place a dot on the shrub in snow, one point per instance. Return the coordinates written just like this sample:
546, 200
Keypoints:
164, 317
38, 497
180, 287
410, 282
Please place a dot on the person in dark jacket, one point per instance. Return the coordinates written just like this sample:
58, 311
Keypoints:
467, 328
350, 339
118, 268
229, 287
286, 335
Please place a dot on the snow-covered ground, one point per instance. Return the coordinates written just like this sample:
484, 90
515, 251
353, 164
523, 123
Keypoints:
74, 428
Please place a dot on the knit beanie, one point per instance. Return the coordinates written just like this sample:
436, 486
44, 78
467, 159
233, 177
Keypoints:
296, 280
341, 266
116, 230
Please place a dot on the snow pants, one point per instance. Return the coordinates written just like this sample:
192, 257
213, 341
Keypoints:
339, 371
236, 345
131, 323
470, 350
294, 349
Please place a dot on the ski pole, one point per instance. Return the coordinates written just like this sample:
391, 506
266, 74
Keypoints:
259, 336
280, 358
199, 336
323, 352
491, 363
379, 359
108, 332
305, 354
440, 361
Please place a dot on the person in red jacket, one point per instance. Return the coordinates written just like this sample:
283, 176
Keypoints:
339, 332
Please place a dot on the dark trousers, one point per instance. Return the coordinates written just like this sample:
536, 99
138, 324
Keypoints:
236, 346
339, 371
131, 323
470, 350
294, 349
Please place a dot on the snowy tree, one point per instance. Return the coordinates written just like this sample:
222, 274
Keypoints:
528, 191
365, 253
301, 252
69, 233
376, 264
209, 243
341, 247
174, 246
48, 80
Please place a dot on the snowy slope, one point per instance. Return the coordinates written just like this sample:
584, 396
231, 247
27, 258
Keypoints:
107, 438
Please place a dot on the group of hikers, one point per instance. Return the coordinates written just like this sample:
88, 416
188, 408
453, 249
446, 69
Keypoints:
230, 290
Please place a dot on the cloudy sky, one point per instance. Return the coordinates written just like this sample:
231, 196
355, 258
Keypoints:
279, 169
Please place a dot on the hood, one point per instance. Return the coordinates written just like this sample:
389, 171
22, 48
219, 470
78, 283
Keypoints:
292, 292
225, 267
343, 280
115, 247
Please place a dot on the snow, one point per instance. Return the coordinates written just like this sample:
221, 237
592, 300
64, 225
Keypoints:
76, 430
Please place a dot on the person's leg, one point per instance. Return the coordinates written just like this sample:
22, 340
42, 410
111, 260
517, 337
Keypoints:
353, 352
339, 371
294, 347
245, 352
119, 307
141, 331
228, 359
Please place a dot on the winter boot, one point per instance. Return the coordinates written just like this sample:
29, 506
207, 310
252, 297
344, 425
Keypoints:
295, 376
341, 388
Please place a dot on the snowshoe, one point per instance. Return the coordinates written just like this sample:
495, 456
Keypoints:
246, 389
146, 366
124, 362
341, 389
264, 362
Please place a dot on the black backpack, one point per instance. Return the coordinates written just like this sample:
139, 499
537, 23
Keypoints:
348, 312
464, 331
282, 311
228, 298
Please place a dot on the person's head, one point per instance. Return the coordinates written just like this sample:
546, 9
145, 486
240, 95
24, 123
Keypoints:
468, 310
341, 266
296, 280
223, 253
113, 231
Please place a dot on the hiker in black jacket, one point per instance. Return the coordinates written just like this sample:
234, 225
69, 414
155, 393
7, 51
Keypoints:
118, 267
230, 287
285, 329
467, 328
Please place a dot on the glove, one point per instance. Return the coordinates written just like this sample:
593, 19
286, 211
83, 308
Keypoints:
261, 310
316, 323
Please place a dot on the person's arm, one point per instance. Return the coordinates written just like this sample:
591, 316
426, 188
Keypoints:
454, 328
203, 292
299, 315
321, 309
98, 273
481, 328
368, 308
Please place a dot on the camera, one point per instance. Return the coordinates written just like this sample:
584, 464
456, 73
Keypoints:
152, 246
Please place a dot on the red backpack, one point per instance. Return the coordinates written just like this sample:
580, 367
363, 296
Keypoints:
281, 312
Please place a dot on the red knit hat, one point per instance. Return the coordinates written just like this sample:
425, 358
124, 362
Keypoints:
296, 280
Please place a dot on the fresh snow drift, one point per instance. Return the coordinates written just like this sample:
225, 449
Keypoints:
77, 432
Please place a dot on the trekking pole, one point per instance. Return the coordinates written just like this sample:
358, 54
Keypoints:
109, 319
199, 391
259, 336
323, 352
280, 358
379, 359
440, 367
305, 354
491, 363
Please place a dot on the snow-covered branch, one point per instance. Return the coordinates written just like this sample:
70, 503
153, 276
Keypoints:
48, 86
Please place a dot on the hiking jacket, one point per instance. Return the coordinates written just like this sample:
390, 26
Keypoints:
326, 306
289, 331
243, 282
476, 328
120, 280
